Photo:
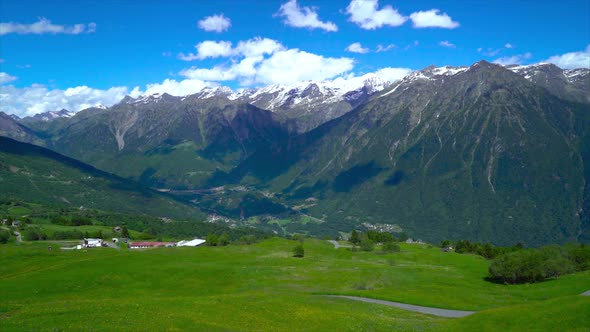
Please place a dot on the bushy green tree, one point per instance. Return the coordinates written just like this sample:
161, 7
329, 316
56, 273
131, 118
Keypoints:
463, 246
4, 236
579, 255
380, 237
211, 240
445, 244
223, 240
533, 265
34, 235
298, 251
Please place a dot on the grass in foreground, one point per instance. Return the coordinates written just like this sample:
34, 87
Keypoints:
261, 287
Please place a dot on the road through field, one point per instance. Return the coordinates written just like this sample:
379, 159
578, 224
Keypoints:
416, 308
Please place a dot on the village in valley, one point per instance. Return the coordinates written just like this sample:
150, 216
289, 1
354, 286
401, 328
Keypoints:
123, 241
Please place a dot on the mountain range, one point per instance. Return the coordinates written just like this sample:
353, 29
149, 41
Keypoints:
483, 152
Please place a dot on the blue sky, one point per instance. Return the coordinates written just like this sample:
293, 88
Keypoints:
105, 49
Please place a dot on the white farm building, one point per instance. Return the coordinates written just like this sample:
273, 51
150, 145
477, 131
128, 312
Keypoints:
191, 243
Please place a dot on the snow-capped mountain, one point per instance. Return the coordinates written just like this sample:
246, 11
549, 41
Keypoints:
49, 116
573, 84
308, 104
531, 72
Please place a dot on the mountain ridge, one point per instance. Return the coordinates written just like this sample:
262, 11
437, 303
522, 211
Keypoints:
462, 152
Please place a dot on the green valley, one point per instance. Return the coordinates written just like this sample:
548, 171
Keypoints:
33, 174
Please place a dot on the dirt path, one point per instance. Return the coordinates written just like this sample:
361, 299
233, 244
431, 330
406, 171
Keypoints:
19, 238
338, 245
416, 308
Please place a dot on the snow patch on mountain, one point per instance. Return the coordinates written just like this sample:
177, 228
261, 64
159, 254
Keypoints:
50, 116
574, 75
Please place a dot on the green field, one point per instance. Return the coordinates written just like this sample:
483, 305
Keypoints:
261, 287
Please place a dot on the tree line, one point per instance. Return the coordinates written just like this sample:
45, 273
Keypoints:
517, 265
366, 241
534, 265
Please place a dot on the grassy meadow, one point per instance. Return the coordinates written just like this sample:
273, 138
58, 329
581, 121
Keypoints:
261, 287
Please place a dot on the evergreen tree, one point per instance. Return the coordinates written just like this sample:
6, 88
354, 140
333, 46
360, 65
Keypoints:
354, 238
125, 232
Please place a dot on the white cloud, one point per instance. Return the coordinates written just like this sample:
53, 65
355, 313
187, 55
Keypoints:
393, 74
208, 49
257, 46
357, 48
479, 50
572, 60
381, 48
303, 17
432, 19
5, 78
508, 45
249, 48
264, 61
513, 60
285, 67
38, 98
45, 26
173, 87
366, 15
446, 43
215, 23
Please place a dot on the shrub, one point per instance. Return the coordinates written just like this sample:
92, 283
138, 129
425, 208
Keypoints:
4, 236
445, 244
34, 235
367, 245
298, 251
223, 240
579, 255
391, 247
211, 240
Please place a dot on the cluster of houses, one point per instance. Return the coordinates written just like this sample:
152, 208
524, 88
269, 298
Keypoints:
14, 223
95, 243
